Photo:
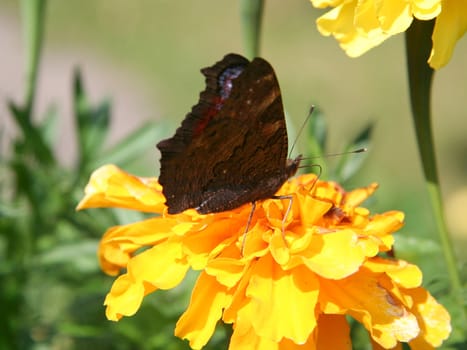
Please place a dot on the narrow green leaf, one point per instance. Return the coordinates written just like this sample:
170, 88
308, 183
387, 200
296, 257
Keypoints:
92, 123
318, 133
350, 163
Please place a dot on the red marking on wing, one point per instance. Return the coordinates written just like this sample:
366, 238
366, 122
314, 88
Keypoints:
209, 114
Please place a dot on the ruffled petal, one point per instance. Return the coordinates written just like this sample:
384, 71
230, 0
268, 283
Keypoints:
119, 242
395, 16
125, 298
401, 272
355, 41
434, 320
110, 186
282, 303
160, 267
362, 297
198, 322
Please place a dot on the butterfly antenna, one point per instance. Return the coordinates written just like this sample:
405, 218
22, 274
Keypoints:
301, 129
358, 150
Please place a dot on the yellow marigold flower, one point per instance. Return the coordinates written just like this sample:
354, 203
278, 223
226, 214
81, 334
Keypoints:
361, 25
288, 289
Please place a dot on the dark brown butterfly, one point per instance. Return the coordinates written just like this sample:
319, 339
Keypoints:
231, 149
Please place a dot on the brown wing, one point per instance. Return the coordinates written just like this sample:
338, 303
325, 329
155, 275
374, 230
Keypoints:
232, 140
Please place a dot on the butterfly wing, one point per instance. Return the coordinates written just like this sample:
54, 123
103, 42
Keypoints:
231, 145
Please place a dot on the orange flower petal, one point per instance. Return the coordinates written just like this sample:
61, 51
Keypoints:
282, 302
333, 333
198, 322
110, 186
361, 296
358, 196
248, 339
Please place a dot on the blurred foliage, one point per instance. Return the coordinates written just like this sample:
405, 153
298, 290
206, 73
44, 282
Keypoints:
51, 286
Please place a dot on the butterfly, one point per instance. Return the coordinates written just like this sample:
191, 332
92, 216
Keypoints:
231, 149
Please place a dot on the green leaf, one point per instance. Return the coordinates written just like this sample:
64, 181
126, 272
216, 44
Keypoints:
92, 123
137, 142
318, 132
350, 163
49, 126
33, 140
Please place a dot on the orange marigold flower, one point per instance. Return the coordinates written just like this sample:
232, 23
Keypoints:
295, 282
360, 25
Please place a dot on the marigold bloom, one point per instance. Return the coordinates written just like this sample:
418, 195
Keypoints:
278, 294
361, 25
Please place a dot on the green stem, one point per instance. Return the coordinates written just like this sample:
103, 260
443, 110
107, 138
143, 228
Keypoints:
33, 21
418, 47
251, 12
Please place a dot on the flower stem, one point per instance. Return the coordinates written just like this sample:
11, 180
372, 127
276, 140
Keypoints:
418, 47
33, 20
251, 12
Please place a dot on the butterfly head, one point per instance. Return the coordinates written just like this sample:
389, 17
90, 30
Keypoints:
292, 165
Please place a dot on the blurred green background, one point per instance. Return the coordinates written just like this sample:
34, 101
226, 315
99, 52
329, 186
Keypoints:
146, 56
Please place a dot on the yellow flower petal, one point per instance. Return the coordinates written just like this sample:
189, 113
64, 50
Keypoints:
426, 9
401, 272
434, 320
450, 26
120, 242
159, 267
227, 271
198, 322
334, 255
360, 25
355, 41
282, 302
395, 16
124, 298
109, 186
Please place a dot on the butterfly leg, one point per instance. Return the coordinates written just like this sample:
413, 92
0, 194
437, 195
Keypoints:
250, 217
287, 212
